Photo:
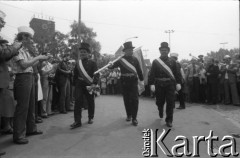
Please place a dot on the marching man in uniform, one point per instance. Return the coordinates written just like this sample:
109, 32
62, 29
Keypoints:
83, 77
165, 79
130, 72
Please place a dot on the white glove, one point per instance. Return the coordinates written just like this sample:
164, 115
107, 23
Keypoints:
152, 87
178, 87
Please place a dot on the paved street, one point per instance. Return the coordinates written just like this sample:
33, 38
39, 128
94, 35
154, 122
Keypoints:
110, 136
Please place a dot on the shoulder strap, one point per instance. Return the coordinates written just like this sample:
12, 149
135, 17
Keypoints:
83, 72
128, 66
165, 68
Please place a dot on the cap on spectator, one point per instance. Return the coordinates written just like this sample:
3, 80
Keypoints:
226, 57
26, 29
174, 55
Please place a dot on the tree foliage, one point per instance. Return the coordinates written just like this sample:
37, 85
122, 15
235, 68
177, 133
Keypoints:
87, 35
219, 55
58, 44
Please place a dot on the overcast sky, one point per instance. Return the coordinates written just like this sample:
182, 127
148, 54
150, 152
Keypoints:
199, 26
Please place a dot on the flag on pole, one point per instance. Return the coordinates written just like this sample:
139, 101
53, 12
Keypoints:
138, 54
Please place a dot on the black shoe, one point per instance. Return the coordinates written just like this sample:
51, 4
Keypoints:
169, 124
160, 114
38, 121
2, 153
9, 131
90, 121
134, 122
21, 141
180, 107
76, 125
63, 112
128, 118
34, 133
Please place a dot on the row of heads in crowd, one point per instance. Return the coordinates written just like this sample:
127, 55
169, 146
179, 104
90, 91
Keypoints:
25, 35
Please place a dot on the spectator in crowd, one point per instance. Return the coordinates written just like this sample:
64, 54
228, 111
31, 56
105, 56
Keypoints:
46, 69
203, 83
24, 117
228, 76
212, 81
185, 87
7, 52
64, 74
103, 83
181, 94
9, 103
193, 80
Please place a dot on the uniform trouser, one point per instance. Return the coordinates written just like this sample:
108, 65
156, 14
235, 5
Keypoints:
165, 93
230, 89
212, 92
130, 97
64, 92
80, 93
24, 116
181, 96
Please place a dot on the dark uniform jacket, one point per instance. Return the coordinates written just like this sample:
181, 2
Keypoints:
132, 60
90, 67
214, 72
157, 72
6, 53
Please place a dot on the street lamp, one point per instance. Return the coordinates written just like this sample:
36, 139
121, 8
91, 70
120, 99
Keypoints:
224, 44
169, 32
131, 38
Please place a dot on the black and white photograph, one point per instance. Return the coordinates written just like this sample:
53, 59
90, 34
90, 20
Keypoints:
119, 78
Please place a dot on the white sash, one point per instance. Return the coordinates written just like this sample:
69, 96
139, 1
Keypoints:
128, 66
167, 69
84, 73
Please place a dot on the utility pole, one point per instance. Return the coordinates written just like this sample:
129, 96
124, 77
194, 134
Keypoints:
79, 23
224, 44
169, 32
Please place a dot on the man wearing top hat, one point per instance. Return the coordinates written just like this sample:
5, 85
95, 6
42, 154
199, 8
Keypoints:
24, 91
83, 77
7, 52
130, 73
181, 94
165, 79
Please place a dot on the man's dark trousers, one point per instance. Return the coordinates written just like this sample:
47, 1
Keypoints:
212, 91
181, 96
24, 117
130, 96
165, 91
80, 92
64, 93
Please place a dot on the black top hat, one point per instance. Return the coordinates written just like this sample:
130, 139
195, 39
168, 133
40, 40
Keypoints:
127, 45
200, 56
164, 45
85, 46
